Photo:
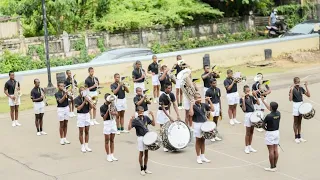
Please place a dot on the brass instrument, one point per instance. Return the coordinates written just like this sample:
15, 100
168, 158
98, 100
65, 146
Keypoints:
263, 86
145, 96
172, 75
126, 84
44, 99
187, 85
159, 65
215, 72
17, 93
240, 78
97, 83
85, 95
112, 106
143, 73
74, 88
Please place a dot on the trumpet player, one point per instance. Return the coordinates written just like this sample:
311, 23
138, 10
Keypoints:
83, 105
110, 127
141, 100
120, 90
247, 103
92, 84
63, 112
37, 96
178, 67
138, 76
68, 82
11, 88
230, 84
164, 78
153, 69
206, 77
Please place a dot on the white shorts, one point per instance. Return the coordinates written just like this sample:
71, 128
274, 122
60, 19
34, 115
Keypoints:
141, 146
83, 120
216, 111
63, 113
261, 106
186, 103
38, 107
140, 85
145, 113
155, 80
162, 118
247, 122
204, 91
197, 130
295, 108
121, 104
233, 98
109, 127
178, 82
11, 102
272, 137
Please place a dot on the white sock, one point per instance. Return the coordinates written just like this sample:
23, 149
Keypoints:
202, 156
198, 157
86, 144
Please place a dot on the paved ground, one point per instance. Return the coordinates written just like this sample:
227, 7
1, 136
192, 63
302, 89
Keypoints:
23, 155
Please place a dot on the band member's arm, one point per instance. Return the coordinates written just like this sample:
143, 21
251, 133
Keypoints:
149, 70
153, 122
205, 76
267, 92
140, 101
136, 80
243, 103
36, 99
103, 113
291, 93
92, 87
255, 99
166, 113
126, 89
211, 105
80, 106
130, 123
191, 111
220, 101
266, 104
116, 90
60, 100
175, 106
207, 96
229, 87
164, 75
307, 93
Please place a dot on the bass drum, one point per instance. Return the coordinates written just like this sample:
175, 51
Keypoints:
175, 135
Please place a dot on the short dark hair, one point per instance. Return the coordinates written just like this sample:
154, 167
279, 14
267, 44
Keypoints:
259, 73
245, 87
138, 62
116, 74
59, 83
274, 106
34, 81
166, 85
90, 68
178, 56
140, 108
67, 71
153, 56
213, 80
138, 88
295, 79
205, 66
229, 71
11, 72
106, 95
196, 94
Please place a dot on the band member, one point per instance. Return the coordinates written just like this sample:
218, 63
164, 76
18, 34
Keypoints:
153, 69
206, 77
120, 90
92, 84
198, 113
165, 101
63, 112
257, 89
68, 82
141, 125
11, 88
83, 105
37, 96
164, 78
187, 105
109, 129
141, 100
295, 95
232, 96
272, 137
247, 103
138, 76
214, 94
179, 94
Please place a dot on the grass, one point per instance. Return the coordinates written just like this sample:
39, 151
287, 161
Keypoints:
26, 102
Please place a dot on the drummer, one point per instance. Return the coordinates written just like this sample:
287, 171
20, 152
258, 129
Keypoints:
198, 113
247, 103
295, 95
141, 125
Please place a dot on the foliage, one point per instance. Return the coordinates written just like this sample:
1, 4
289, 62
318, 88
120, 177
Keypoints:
101, 45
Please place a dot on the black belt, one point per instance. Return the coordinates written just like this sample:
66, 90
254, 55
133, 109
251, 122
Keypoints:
107, 120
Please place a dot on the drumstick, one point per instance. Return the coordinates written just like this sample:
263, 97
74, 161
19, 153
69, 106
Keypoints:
303, 79
280, 147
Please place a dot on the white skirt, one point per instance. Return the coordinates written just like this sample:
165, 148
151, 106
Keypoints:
155, 80
178, 82
121, 104
83, 119
272, 137
63, 113
233, 98
109, 127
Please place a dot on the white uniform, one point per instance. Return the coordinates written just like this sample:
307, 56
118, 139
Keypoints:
247, 122
63, 113
233, 98
272, 137
216, 111
162, 118
109, 127
38, 107
155, 80
141, 146
12, 102
197, 129
83, 119
121, 104
295, 108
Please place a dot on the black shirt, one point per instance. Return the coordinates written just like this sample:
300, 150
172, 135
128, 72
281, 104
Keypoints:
78, 101
256, 86
59, 96
199, 110
227, 82
136, 99
166, 99
36, 93
206, 81
272, 121
166, 80
68, 81
250, 101
214, 94
297, 94
154, 67
136, 74
121, 93
89, 82
141, 125
103, 110
10, 85
178, 68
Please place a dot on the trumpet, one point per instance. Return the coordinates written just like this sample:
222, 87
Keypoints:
112, 106
143, 73
126, 84
97, 83
238, 78
215, 72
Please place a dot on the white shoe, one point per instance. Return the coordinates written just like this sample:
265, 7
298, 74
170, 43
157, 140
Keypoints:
165, 150
43, 133
260, 129
213, 140
125, 131
38, 134
143, 173
118, 132
83, 149
147, 172
14, 124
109, 158
246, 150
199, 161
270, 169
62, 141
91, 123
237, 122
297, 141
217, 138
302, 140
231, 122
180, 107
66, 141
86, 146
252, 150
95, 122
204, 159
113, 158
17, 123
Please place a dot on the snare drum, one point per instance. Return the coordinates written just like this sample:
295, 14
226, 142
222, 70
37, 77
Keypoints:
152, 141
256, 119
307, 110
175, 135
208, 130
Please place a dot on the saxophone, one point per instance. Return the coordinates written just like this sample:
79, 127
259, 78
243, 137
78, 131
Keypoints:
95, 98
17, 93
112, 106
73, 90
187, 85
44, 97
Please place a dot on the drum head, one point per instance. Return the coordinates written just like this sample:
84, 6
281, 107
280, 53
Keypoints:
179, 135
208, 126
305, 108
150, 138
255, 116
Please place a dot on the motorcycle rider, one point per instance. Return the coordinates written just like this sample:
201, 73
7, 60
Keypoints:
273, 18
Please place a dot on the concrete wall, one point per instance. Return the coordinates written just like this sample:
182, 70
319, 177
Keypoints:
226, 55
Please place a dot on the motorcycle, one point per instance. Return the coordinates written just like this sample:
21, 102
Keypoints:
277, 30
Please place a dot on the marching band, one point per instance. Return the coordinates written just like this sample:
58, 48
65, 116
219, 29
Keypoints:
201, 118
